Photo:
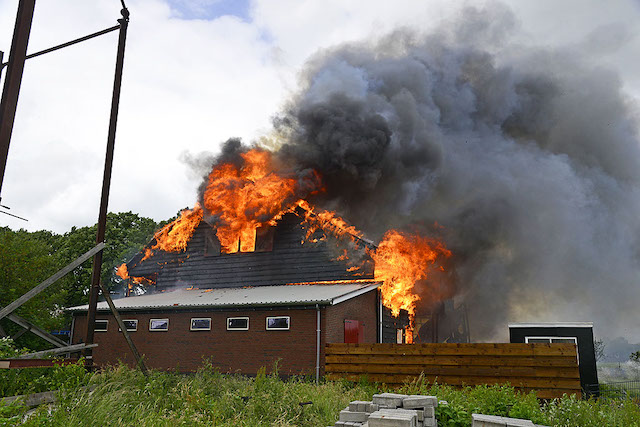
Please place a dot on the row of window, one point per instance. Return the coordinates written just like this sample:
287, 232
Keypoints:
274, 323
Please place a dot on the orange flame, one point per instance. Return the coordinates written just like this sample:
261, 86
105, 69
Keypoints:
175, 236
247, 197
254, 193
123, 272
401, 260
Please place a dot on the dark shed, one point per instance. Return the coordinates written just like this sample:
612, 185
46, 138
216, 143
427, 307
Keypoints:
580, 333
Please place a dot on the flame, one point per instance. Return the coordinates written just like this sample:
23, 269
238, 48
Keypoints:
245, 197
175, 236
255, 192
402, 259
123, 272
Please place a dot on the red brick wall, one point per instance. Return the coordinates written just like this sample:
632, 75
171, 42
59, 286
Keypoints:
353, 309
231, 351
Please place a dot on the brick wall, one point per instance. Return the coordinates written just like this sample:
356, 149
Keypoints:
231, 351
353, 310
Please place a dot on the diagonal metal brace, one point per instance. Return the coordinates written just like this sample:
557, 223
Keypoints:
42, 286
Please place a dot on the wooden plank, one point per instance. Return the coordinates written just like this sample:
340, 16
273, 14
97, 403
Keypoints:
501, 349
35, 363
67, 349
498, 371
551, 368
570, 384
42, 286
36, 330
444, 360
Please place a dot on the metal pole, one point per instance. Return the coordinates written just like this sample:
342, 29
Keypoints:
13, 79
318, 344
106, 182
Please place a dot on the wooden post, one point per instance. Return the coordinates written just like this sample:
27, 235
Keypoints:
106, 180
123, 328
36, 330
13, 78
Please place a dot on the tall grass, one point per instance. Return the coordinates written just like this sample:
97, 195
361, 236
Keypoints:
124, 397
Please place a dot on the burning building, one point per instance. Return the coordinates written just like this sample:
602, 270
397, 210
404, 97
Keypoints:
251, 259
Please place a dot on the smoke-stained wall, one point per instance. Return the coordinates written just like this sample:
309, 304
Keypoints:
529, 159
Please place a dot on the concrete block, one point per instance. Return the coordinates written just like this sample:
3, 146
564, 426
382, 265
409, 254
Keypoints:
380, 419
373, 407
429, 422
389, 400
359, 417
359, 406
419, 401
339, 424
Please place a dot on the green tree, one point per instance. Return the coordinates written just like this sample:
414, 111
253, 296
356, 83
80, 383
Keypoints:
126, 234
28, 258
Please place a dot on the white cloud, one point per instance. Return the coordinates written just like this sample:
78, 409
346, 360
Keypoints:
190, 84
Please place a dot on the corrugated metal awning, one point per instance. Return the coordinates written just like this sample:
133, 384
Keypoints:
293, 295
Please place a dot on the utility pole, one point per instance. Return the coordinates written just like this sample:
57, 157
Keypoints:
13, 79
106, 181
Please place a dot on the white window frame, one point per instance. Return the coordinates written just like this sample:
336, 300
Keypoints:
106, 327
575, 339
278, 329
237, 329
158, 330
191, 328
130, 320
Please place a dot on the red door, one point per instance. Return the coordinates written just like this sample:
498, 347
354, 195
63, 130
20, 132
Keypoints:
353, 331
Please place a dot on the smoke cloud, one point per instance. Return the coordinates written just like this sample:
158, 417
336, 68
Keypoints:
529, 158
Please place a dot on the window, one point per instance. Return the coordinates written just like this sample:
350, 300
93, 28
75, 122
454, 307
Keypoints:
201, 324
280, 323
101, 325
159, 325
264, 238
130, 324
554, 340
548, 340
237, 323
211, 243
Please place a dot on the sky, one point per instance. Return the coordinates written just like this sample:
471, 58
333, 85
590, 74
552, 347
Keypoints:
200, 71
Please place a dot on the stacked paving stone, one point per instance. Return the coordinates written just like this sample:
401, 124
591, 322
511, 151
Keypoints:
390, 410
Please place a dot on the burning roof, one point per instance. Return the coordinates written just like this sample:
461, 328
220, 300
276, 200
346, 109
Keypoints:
256, 190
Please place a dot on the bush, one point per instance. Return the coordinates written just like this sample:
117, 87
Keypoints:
35, 380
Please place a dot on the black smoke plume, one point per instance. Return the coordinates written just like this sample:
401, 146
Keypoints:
529, 159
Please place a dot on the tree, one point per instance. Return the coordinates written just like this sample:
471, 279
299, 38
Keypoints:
125, 235
28, 258
635, 357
